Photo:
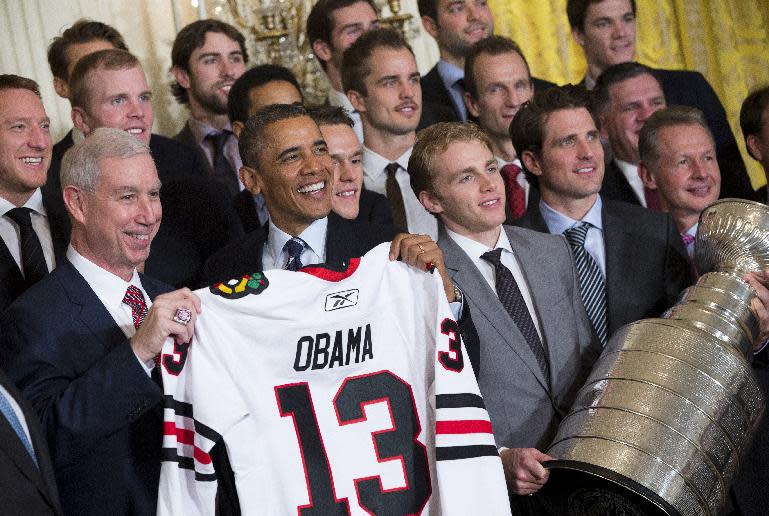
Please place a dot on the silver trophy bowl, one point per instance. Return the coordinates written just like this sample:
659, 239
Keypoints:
661, 423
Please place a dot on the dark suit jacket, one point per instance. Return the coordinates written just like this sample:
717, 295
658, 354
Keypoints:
11, 278
198, 217
345, 239
374, 208
437, 99
615, 185
186, 137
99, 408
646, 263
25, 488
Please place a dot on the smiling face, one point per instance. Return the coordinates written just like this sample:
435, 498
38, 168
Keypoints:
294, 173
460, 24
213, 69
686, 175
347, 157
570, 167
25, 144
468, 191
393, 103
119, 99
608, 36
118, 221
631, 103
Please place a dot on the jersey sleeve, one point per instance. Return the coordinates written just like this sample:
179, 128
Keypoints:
196, 371
470, 475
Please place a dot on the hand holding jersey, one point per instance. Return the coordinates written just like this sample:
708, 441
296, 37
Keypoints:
160, 324
422, 252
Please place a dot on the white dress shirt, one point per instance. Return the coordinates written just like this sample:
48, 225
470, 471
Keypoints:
110, 290
521, 179
275, 257
418, 219
450, 74
474, 250
557, 223
339, 99
630, 172
690, 248
10, 233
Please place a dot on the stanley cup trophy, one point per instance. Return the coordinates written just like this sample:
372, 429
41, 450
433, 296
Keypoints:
661, 423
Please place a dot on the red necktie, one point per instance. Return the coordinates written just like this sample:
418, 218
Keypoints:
688, 239
135, 299
652, 201
516, 195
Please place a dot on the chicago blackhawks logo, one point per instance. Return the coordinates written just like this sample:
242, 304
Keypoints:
239, 287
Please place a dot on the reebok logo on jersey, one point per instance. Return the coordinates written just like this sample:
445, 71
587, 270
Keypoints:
341, 299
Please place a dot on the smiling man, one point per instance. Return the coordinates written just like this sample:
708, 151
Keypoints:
606, 31
631, 261
34, 226
207, 58
381, 79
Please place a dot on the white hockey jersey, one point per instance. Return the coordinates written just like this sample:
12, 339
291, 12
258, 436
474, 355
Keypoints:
335, 393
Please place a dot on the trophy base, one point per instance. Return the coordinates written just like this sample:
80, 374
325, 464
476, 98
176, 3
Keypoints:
580, 489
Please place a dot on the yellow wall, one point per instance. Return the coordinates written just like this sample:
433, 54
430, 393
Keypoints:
726, 40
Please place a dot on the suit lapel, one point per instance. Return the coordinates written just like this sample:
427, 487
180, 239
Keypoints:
58, 221
468, 278
10, 277
618, 246
339, 238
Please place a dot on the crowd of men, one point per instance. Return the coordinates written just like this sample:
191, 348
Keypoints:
554, 214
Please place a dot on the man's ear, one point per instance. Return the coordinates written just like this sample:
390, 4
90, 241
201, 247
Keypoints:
74, 200
181, 76
81, 121
430, 26
531, 162
356, 99
472, 105
322, 50
237, 127
602, 131
578, 36
754, 149
250, 179
646, 176
430, 202
61, 87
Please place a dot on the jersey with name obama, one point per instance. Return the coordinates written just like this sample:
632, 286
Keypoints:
335, 392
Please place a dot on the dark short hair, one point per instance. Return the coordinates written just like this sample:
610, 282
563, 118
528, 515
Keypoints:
615, 74
16, 82
192, 37
576, 10
252, 137
320, 23
526, 129
331, 115
355, 66
428, 8
752, 112
434, 140
109, 59
238, 103
673, 116
493, 46
82, 31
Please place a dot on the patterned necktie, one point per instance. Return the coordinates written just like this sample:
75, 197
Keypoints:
516, 195
223, 171
687, 239
510, 296
652, 200
591, 283
135, 299
294, 248
395, 196
32, 257
13, 420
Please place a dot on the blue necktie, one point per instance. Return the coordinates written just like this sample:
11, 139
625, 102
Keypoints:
294, 248
13, 420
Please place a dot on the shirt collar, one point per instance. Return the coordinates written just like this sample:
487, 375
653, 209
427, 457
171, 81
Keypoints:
313, 235
692, 230
339, 99
449, 73
477, 249
501, 162
35, 203
374, 164
201, 129
110, 289
557, 222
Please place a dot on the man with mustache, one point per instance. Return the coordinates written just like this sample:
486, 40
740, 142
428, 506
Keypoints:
207, 57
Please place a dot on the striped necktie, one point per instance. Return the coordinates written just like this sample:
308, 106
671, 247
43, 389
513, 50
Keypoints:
13, 421
591, 283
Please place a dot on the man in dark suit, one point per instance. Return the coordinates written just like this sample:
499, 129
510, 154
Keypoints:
456, 26
34, 228
754, 122
199, 218
529, 369
606, 31
71, 342
207, 58
634, 264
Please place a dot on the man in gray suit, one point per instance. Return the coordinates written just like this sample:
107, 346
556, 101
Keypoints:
529, 338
